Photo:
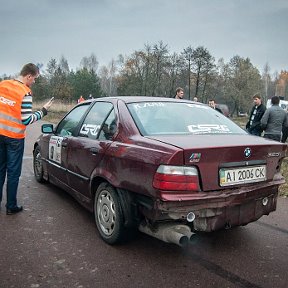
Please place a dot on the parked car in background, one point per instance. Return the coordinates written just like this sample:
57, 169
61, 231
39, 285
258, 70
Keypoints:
167, 167
242, 114
283, 104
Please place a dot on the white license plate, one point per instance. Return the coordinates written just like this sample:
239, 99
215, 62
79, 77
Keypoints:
242, 175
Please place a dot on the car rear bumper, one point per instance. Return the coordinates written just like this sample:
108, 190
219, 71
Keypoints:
221, 210
235, 215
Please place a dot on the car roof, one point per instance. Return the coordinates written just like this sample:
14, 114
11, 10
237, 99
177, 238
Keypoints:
133, 99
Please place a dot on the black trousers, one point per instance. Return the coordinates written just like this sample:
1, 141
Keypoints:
284, 134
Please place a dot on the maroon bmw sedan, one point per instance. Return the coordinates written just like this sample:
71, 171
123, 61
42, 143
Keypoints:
167, 167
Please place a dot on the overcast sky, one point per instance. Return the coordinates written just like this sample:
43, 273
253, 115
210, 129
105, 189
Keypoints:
38, 30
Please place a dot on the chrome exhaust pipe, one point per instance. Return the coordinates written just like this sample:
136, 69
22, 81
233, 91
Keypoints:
190, 217
170, 233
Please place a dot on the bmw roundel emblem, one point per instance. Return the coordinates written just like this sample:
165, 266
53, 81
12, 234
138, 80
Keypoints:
247, 152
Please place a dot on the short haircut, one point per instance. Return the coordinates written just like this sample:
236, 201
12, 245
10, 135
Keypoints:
275, 100
257, 95
179, 89
210, 100
29, 68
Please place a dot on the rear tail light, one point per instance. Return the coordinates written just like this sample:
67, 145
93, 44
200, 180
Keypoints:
177, 178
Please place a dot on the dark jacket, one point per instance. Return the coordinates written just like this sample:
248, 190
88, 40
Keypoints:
218, 109
255, 118
273, 120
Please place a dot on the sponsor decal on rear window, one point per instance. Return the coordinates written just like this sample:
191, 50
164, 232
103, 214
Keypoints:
148, 105
198, 106
208, 128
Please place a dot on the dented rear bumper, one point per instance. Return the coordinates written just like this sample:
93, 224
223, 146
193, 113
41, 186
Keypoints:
220, 209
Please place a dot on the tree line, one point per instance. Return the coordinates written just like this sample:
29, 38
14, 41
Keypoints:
155, 71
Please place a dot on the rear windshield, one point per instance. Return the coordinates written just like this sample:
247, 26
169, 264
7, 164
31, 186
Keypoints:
158, 118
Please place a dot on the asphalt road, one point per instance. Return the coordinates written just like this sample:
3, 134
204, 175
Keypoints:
54, 243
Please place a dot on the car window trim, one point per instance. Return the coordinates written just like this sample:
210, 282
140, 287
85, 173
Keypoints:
81, 120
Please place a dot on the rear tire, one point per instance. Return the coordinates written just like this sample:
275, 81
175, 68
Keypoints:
37, 165
108, 214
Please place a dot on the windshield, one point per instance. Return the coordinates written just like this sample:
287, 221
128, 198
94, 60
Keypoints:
157, 118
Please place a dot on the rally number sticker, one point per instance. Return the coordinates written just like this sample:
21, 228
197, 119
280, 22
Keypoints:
55, 148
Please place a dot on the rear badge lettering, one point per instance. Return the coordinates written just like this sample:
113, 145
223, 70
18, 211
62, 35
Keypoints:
274, 154
195, 157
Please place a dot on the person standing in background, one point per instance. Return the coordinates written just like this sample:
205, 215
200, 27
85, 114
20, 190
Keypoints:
253, 125
15, 114
179, 94
81, 99
212, 104
273, 120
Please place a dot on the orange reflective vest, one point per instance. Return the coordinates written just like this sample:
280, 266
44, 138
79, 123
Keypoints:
11, 96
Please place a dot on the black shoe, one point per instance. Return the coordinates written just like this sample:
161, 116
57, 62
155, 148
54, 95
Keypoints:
14, 210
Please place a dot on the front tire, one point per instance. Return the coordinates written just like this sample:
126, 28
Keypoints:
37, 165
108, 214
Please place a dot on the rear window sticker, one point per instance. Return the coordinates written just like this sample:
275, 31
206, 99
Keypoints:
149, 104
208, 128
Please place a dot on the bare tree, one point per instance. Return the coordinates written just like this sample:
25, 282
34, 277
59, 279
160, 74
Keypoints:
187, 55
172, 73
148, 60
266, 79
90, 63
160, 52
63, 65
243, 81
202, 63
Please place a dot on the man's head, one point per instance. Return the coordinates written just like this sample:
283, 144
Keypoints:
275, 100
257, 99
179, 93
212, 103
29, 73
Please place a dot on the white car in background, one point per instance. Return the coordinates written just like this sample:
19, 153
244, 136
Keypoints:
283, 104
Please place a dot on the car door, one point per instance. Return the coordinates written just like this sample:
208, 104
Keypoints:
87, 149
59, 142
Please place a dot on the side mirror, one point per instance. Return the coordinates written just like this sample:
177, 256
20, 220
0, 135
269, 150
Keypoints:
47, 128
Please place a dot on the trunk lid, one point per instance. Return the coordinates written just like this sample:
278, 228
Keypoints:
232, 154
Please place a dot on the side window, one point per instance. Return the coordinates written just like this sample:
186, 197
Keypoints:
94, 119
68, 124
109, 128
